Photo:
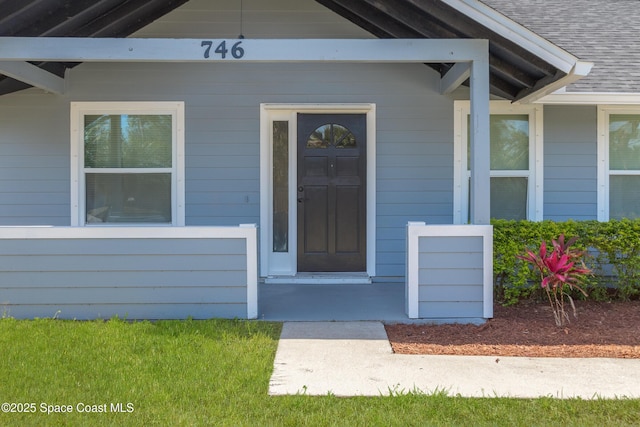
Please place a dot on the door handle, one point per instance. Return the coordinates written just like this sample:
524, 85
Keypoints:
300, 189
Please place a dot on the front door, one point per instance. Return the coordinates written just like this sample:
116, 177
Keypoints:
331, 192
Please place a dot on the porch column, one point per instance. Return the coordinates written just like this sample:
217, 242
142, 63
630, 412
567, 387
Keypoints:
480, 207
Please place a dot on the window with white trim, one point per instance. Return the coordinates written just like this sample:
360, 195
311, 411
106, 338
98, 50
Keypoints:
127, 163
618, 162
516, 161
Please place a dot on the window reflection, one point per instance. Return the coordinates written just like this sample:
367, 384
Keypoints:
331, 134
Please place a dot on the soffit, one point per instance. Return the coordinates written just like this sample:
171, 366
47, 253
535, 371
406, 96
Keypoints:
75, 18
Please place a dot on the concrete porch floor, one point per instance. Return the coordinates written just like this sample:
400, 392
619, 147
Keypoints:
327, 302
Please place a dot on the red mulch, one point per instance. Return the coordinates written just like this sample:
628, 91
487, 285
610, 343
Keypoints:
599, 330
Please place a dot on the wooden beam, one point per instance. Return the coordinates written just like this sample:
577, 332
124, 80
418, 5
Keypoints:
32, 75
457, 75
357, 20
480, 207
378, 19
412, 18
75, 49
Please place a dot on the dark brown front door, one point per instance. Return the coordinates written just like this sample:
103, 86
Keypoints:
332, 192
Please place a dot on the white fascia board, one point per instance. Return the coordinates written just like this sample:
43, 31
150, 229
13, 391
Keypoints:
32, 75
71, 49
515, 32
591, 98
580, 70
455, 77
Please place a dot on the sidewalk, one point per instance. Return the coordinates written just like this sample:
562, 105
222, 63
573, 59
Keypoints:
355, 358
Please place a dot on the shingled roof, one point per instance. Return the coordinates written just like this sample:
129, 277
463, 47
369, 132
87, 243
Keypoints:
605, 32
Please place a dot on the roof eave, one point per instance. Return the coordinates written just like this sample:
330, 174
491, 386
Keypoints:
579, 70
501, 24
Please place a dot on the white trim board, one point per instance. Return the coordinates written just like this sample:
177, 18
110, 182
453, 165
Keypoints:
342, 278
76, 49
590, 98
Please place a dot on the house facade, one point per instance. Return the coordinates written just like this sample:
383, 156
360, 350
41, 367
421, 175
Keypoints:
171, 173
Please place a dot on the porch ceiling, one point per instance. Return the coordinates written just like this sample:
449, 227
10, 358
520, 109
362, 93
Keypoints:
75, 18
516, 71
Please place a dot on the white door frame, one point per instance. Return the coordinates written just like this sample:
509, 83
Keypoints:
285, 263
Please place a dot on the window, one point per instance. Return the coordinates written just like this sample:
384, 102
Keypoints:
127, 163
516, 162
280, 142
618, 162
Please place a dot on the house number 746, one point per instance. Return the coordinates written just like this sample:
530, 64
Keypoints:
236, 50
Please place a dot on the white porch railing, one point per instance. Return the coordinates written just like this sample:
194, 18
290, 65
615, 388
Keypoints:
130, 272
449, 271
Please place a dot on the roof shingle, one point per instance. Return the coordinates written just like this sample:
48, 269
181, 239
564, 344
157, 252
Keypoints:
605, 32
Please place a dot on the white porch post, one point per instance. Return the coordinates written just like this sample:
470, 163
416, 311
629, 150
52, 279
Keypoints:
480, 207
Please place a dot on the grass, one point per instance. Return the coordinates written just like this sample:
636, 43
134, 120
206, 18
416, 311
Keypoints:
216, 372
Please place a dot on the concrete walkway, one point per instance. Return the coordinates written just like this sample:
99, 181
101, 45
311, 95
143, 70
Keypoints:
355, 358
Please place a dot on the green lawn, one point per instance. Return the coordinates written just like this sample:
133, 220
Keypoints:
216, 372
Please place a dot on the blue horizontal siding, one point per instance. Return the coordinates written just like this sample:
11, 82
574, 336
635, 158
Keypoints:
133, 278
570, 162
450, 276
443, 309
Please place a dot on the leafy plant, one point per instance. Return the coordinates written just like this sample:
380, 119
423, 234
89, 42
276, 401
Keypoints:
613, 249
561, 269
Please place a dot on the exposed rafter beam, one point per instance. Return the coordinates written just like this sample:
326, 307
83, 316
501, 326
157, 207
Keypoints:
378, 18
30, 74
457, 75
357, 20
411, 17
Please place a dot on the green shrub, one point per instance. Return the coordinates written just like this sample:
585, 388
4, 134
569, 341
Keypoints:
613, 254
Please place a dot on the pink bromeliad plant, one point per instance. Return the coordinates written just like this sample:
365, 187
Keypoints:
561, 269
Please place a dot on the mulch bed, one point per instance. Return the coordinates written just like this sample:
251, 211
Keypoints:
600, 330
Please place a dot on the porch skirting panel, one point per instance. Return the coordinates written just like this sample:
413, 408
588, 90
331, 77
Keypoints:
129, 272
449, 271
